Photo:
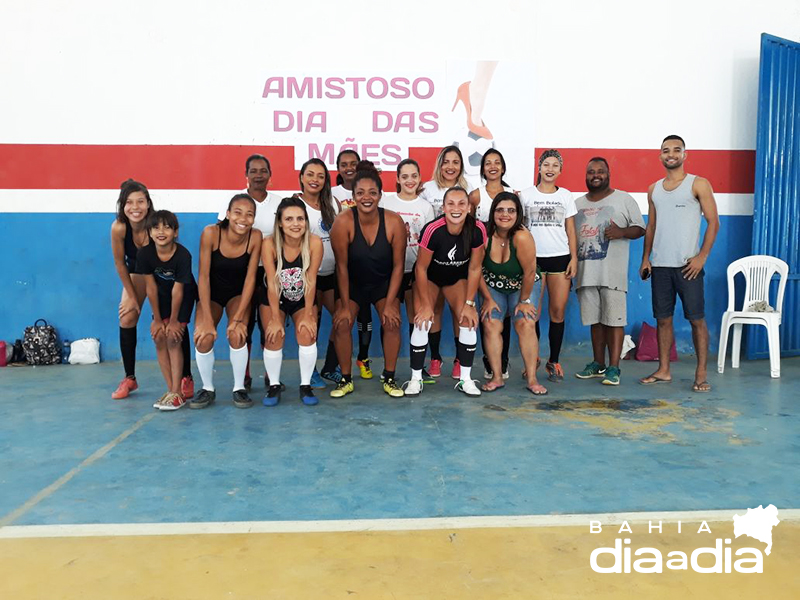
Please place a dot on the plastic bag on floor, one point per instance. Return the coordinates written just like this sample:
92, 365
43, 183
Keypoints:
627, 346
84, 352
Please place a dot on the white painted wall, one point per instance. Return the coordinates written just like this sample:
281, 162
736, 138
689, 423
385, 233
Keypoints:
607, 74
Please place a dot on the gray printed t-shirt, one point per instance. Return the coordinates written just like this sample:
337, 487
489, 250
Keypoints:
603, 262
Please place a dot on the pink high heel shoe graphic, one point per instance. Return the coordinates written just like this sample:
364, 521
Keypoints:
462, 95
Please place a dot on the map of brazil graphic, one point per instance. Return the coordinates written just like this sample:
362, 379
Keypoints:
757, 523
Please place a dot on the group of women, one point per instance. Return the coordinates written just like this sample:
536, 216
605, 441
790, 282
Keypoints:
459, 244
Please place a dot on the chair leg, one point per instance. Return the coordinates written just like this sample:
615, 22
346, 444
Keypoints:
773, 336
736, 349
723, 345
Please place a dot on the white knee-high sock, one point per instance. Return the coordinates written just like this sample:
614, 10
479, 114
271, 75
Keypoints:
205, 364
307, 356
239, 364
272, 363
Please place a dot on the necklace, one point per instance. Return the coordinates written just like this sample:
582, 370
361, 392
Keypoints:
502, 243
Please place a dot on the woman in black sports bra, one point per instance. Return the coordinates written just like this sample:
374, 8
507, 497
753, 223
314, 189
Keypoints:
291, 259
229, 253
128, 234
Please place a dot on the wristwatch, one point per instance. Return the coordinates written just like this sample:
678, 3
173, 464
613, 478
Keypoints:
526, 301
470, 303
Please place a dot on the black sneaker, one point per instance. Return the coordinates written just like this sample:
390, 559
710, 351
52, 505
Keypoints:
273, 396
307, 396
241, 399
203, 400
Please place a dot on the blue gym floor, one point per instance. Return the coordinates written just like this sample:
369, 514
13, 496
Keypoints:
70, 454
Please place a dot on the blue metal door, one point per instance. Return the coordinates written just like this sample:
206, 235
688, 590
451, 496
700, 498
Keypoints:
776, 211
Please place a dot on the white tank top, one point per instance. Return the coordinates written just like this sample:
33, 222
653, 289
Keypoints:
485, 206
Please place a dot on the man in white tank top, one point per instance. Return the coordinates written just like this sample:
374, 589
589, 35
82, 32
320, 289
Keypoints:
674, 258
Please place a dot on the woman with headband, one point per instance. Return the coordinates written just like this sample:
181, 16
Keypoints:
550, 216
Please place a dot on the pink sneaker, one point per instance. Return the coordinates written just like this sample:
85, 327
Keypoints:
126, 386
456, 370
435, 370
172, 402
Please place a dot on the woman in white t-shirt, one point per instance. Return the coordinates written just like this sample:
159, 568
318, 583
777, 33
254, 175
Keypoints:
448, 172
346, 165
493, 169
415, 212
322, 208
550, 216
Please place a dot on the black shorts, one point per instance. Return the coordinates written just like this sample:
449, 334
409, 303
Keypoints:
553, 264
186, 308
406, 284
364, 295
447, 276
326, 282
666, 283
289, 307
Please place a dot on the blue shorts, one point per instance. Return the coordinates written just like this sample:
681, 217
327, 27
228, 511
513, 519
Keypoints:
666, 283
508, 302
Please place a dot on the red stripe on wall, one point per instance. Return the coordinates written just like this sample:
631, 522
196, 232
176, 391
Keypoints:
45, 166
729, 171
52, 166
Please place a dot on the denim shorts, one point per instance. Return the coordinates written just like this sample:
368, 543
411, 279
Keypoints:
508, 302
667, 282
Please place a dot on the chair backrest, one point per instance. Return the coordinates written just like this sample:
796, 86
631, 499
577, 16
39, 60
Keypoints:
758, 271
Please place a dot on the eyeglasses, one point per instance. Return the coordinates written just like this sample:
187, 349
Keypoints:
508, 211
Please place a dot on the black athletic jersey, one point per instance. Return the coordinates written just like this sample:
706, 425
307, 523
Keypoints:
450, 260
178, 268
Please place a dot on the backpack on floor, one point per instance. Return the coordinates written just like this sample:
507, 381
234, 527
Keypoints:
17, 354
40, 343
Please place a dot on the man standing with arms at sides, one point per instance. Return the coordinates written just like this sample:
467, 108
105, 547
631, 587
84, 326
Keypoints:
676, 265
606, 221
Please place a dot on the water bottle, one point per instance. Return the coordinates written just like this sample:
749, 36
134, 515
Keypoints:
65, 347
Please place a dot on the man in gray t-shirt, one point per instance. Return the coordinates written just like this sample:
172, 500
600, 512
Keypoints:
606, 221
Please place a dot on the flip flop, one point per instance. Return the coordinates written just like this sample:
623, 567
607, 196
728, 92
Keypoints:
489, 387
655, 380
698, 387
538, 392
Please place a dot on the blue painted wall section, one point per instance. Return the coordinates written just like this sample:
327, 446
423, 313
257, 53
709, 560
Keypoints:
59, 267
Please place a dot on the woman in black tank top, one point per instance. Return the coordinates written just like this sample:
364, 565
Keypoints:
128, 234
229, 253
369, 244
291, 258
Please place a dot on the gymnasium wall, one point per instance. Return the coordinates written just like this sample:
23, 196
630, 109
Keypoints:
178, 94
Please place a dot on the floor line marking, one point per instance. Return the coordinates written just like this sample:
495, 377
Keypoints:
58, 483
375, 525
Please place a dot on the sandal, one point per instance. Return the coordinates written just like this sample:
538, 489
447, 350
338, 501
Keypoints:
537, 389
492, 387
653, 380
701, 388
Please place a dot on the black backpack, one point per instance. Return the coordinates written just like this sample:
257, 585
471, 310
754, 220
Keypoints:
40, 343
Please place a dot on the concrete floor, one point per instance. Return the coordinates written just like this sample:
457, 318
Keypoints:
71, 455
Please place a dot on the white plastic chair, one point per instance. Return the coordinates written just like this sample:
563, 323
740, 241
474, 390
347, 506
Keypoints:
758, 271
